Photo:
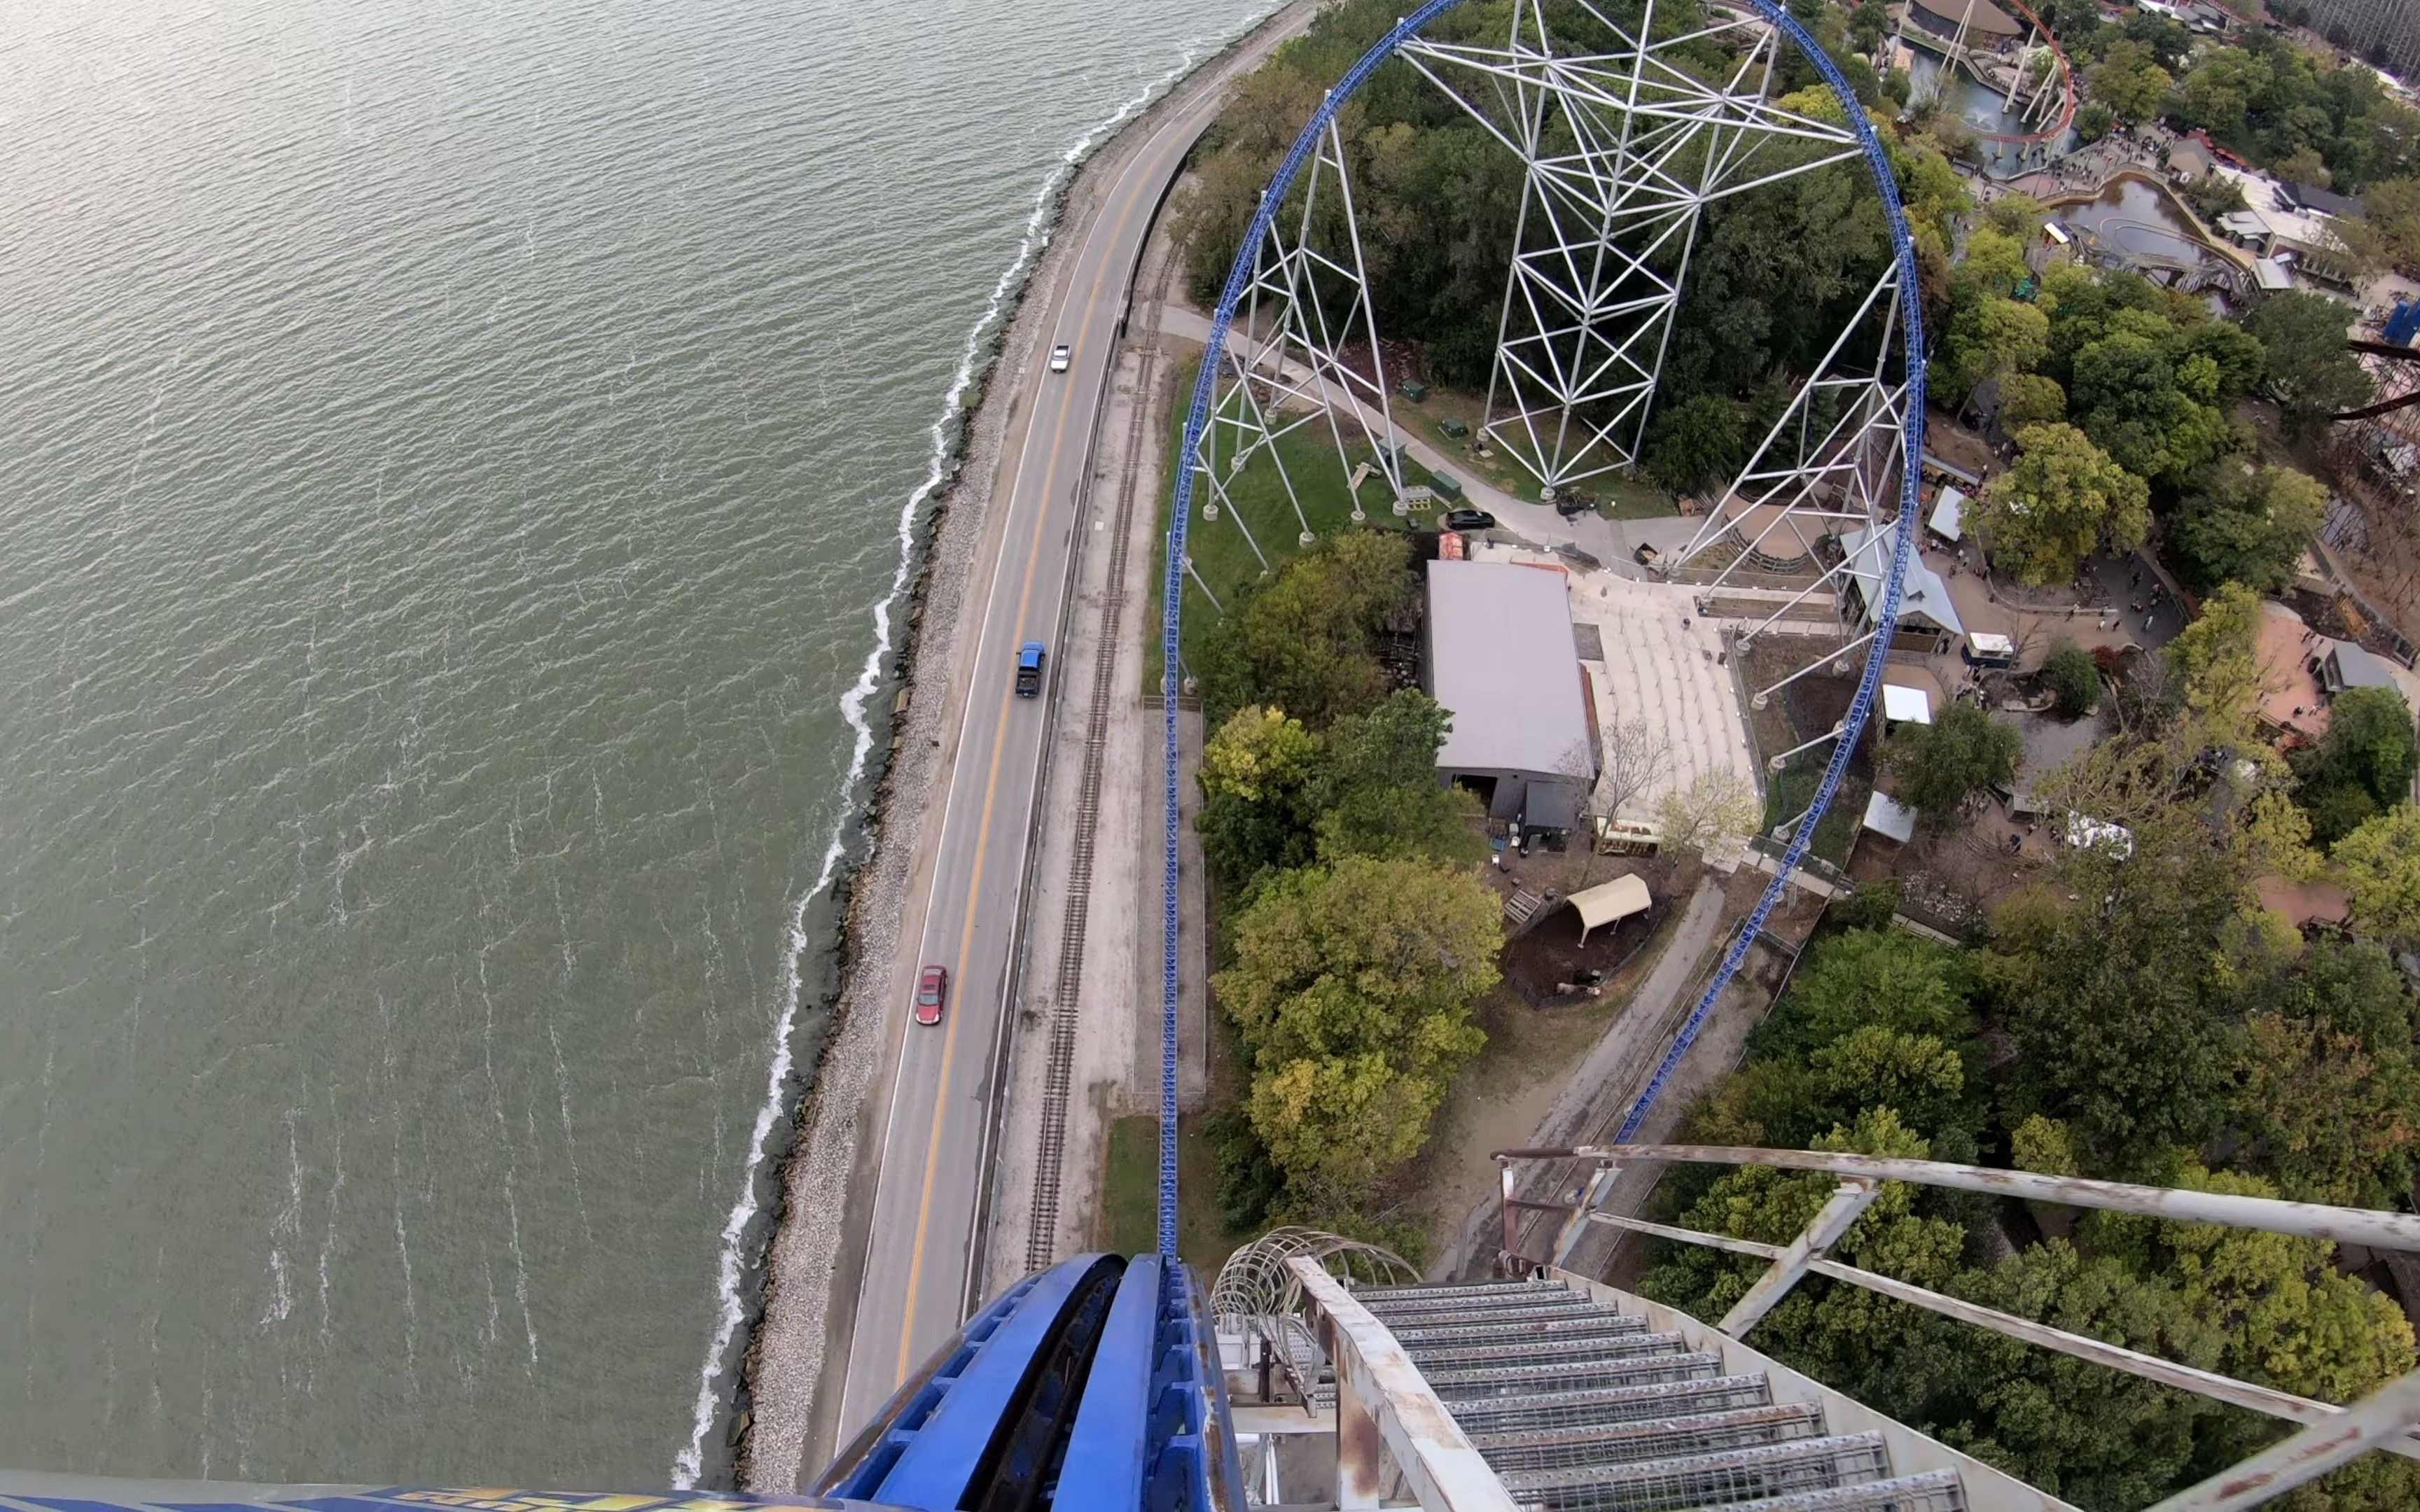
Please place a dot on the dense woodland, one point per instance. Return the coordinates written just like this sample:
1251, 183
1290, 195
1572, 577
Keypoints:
2136, 1015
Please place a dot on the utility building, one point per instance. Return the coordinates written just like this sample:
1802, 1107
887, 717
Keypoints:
1501, 658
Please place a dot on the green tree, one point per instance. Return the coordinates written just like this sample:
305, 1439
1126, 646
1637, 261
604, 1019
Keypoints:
2309, 369
2073, 679
2219, 89
2014, 215
1941, 767
2154, 411
1377, 793
2327, 1099
2123, 1002
2129, 82
2030, 400
2094, 120
2362, 765
1305, 640
1256, 811
1351, 986
1698, 443
2249, 527
2380, 860
2064, 497
2216, 660
1995, 337
2393, 210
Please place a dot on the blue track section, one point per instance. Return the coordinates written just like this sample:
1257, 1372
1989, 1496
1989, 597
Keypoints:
1197, 422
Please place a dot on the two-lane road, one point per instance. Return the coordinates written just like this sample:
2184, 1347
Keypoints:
912, 1294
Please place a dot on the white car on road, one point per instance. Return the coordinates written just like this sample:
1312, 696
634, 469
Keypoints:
1059, 356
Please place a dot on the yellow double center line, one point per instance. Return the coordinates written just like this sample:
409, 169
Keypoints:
982, 834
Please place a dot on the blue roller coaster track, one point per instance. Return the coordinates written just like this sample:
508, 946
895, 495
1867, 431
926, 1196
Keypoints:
1096, 1383
1197, 421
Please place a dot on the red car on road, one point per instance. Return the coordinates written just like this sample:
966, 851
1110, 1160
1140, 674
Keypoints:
932, 990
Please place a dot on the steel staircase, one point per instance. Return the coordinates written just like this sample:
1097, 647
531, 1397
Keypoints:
1578, 1406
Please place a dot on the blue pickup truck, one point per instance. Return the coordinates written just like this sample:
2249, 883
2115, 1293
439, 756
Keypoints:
1029, 670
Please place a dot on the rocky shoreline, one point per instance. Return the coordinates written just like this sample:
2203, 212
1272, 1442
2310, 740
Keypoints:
776, 1417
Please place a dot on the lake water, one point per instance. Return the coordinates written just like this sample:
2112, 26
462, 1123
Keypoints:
455, 461
2131, 216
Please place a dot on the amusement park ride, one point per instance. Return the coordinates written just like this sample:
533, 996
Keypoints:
1321, 1373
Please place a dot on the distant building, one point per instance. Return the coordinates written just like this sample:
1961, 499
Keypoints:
2294, 224
1502, 659
2344, 665
2190, 163
2363, 24
1979, 23
1927, 619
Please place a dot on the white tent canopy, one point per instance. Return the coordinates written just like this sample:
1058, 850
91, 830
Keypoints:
1615, 900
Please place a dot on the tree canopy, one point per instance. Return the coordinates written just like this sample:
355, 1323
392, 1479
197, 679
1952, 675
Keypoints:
2249, 527
1305, 640
1942, 767
2309, 369
1351, 985
2362, 765
2064, 497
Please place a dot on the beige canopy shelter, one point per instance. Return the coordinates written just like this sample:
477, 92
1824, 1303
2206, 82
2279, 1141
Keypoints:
1616, 900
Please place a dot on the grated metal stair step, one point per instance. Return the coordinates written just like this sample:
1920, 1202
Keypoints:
1577, 1445
1379, 1299
1934, 1490
1611, 1404
1732, 1475
1544, 1351
1522, 1311
1494, 1380
1517, 1334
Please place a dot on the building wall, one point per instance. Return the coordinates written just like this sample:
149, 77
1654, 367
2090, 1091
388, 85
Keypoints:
1547, 799
2396, 23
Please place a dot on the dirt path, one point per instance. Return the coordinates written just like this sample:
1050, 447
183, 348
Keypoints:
1605, 1082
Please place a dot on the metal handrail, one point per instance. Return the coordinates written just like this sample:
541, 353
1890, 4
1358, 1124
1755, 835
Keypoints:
2332, 1434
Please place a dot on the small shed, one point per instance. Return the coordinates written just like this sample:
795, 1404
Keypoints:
1889, 818
2347, 664
1949, 514
1906, 706
1610, 904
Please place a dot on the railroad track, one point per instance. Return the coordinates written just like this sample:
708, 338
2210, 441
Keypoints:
1041, 1243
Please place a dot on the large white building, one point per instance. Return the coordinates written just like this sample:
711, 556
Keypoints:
1503, 661
2368, 24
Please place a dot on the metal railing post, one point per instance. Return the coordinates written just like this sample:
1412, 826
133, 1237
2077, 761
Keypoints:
1824, 1230
2382, 1415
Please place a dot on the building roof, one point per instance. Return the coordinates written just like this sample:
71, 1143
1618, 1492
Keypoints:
1503, 662
1906, 706
2191, 157
1926, 597
1888, 817
2271, 274
1982, 18
2326, 202
1948, 513
1603, 904
2356, 668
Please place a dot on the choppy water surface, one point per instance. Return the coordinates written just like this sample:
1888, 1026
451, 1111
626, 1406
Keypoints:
450, 460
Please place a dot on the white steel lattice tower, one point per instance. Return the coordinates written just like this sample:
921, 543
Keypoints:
1624, 136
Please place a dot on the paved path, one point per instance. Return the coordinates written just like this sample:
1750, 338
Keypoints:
963, 912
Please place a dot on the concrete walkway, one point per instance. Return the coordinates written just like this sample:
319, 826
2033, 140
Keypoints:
1610, 541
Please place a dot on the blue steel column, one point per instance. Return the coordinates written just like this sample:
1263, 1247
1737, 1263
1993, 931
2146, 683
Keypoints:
1172, 584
